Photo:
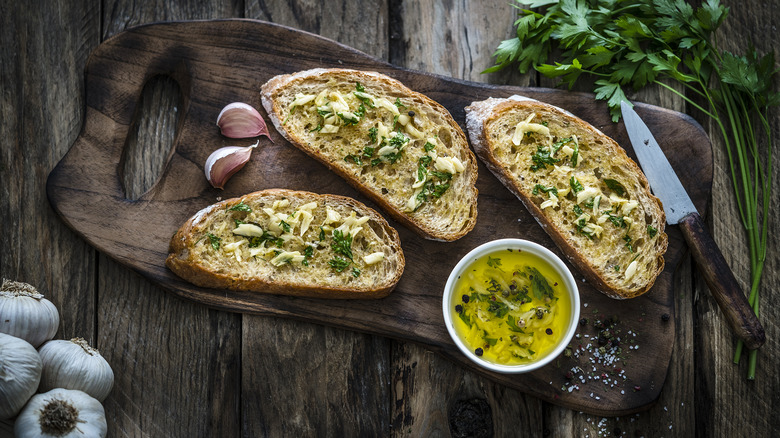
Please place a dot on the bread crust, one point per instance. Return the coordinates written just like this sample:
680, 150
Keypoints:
480, 116
185, 263
439, 229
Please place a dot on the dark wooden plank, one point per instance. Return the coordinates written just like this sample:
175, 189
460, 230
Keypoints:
675, 405
41, 112
432, 395
179, 358
410, 313
722, 388
324, 381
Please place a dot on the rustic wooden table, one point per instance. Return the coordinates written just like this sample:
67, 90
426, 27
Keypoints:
183, 369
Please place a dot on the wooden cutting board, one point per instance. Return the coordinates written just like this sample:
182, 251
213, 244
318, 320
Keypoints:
218, 62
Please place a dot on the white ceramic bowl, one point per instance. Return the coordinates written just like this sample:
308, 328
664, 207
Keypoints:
570, 286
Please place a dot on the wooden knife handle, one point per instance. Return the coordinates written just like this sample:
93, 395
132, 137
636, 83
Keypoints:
721, 281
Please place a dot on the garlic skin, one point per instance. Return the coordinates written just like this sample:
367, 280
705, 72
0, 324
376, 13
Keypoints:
74, 364
240, 120
26, 314
20, 372
225, 162
62, 413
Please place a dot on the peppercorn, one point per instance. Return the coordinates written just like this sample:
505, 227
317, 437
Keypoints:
665, 317
459, 308
548, 331
465, 298
584, 321
411, 113
478, 352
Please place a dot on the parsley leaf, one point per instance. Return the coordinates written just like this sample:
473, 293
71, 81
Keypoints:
214, 240
615, 186
240, 207
494, 262
342, 244
339, 264
576, 186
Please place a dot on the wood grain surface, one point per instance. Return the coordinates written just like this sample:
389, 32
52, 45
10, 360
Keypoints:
210, 66
185, 370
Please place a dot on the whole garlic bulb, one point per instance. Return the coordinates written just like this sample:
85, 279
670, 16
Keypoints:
20, 372
26, 314
62, 413
74, 364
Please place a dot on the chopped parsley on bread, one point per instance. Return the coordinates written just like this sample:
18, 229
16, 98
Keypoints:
291, 243
579, 184
397, 146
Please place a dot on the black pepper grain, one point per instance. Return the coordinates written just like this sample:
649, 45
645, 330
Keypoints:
548, 331
478, 352
665, 317
411, 113
465, 298
584, 321
459, 308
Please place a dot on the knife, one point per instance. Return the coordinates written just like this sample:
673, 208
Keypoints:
680, 211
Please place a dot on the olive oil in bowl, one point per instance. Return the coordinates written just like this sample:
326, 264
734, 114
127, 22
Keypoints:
511, 306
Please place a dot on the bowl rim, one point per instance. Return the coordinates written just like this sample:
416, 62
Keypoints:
536, 249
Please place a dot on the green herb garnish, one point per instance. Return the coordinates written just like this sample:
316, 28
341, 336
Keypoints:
540, 188
339, 264
541, 288
558, 144
342, 244
494, 262
628, 244
576, 186
542, 159
498, 308
240, 207
444, 176
615, 186
308, 253
214, 241
651, 231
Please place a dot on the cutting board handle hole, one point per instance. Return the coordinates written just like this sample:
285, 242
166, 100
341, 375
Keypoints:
151, 137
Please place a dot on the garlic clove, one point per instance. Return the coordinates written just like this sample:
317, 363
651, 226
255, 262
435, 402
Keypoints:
239, 120
26, 314
225, 162
74, 364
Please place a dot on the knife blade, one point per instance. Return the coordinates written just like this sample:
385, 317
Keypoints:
679, 210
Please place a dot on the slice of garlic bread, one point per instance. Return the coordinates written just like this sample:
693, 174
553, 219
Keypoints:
579, 184
290, 243
396, 146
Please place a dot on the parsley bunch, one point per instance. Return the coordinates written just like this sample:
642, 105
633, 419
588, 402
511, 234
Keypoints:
633, 43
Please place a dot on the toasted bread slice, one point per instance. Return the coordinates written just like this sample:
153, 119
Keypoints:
579, 184
291, 243
396, 146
